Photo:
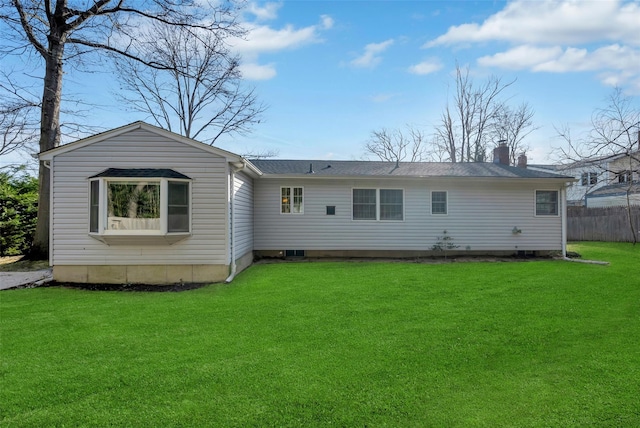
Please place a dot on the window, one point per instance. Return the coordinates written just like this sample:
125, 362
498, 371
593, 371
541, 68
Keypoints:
133, 205
624, 176
589, 178
378, 204
364, 204
94, 206
546, 202
147, 202
178, 212
291, 200
439, 202
331, 210
391, 204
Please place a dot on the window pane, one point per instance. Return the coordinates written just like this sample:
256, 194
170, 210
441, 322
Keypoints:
364, 204
178, 219
178, 193
178, 212
133, 205
297, 199
285, 206
94, 206
438, 202
546, 202
390, 204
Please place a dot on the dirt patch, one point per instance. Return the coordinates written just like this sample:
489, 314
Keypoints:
17, 264
130, 287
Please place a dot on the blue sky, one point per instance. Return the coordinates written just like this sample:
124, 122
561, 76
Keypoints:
333, 71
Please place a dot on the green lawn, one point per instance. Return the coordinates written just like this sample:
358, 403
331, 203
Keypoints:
544, 343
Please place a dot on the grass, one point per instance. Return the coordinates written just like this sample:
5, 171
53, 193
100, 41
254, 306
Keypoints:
543, 343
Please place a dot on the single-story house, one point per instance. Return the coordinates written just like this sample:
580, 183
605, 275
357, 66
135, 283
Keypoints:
139, 204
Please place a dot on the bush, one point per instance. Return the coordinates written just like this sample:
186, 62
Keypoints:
18, 211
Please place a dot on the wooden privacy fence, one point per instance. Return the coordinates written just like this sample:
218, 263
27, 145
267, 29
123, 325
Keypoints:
602, 224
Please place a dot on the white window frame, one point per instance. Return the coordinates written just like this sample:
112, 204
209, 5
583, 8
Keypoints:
589, 178
446, 202
103, 230
291, 195
378, 219
625, 176
535, 203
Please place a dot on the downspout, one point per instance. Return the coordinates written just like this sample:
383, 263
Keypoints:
563, 198
47, 164
232, 250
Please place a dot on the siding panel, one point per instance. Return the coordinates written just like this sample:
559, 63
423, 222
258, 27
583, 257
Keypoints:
71, 242
481, 217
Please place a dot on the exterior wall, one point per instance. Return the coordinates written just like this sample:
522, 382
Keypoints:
244, 214
625, 163
481, 217
71, 243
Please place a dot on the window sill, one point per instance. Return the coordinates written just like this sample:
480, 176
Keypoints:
140, 239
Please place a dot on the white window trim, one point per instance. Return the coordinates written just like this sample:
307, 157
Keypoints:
291, 203
164, 208
535, 204
378, 219
446, 192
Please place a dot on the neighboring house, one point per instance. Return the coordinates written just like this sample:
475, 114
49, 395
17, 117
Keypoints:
614, 195
594, 174
141, 204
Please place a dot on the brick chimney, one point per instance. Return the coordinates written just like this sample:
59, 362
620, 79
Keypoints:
522, 161
501, 154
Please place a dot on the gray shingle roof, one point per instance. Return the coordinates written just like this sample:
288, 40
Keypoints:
140, 173
617, 189
331, 168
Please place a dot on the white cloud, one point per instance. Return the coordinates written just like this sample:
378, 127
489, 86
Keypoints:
263, 39
426, 67
521, 57
326, 21
253, 71
552, 22
560, 36
559, 60
381, 98
265, 13
371, 56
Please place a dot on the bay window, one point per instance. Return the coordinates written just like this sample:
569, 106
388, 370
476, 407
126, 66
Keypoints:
139, 202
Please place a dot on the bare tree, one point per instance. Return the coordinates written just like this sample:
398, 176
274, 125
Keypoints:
198, 93
68, 32
612, 147
18, 121
464, 128
512, 127
397, 146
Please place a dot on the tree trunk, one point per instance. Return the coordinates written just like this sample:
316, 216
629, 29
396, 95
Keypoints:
49, 139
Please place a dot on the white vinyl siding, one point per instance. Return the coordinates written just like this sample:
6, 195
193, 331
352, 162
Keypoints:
70, 205
482, 215
244, 214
